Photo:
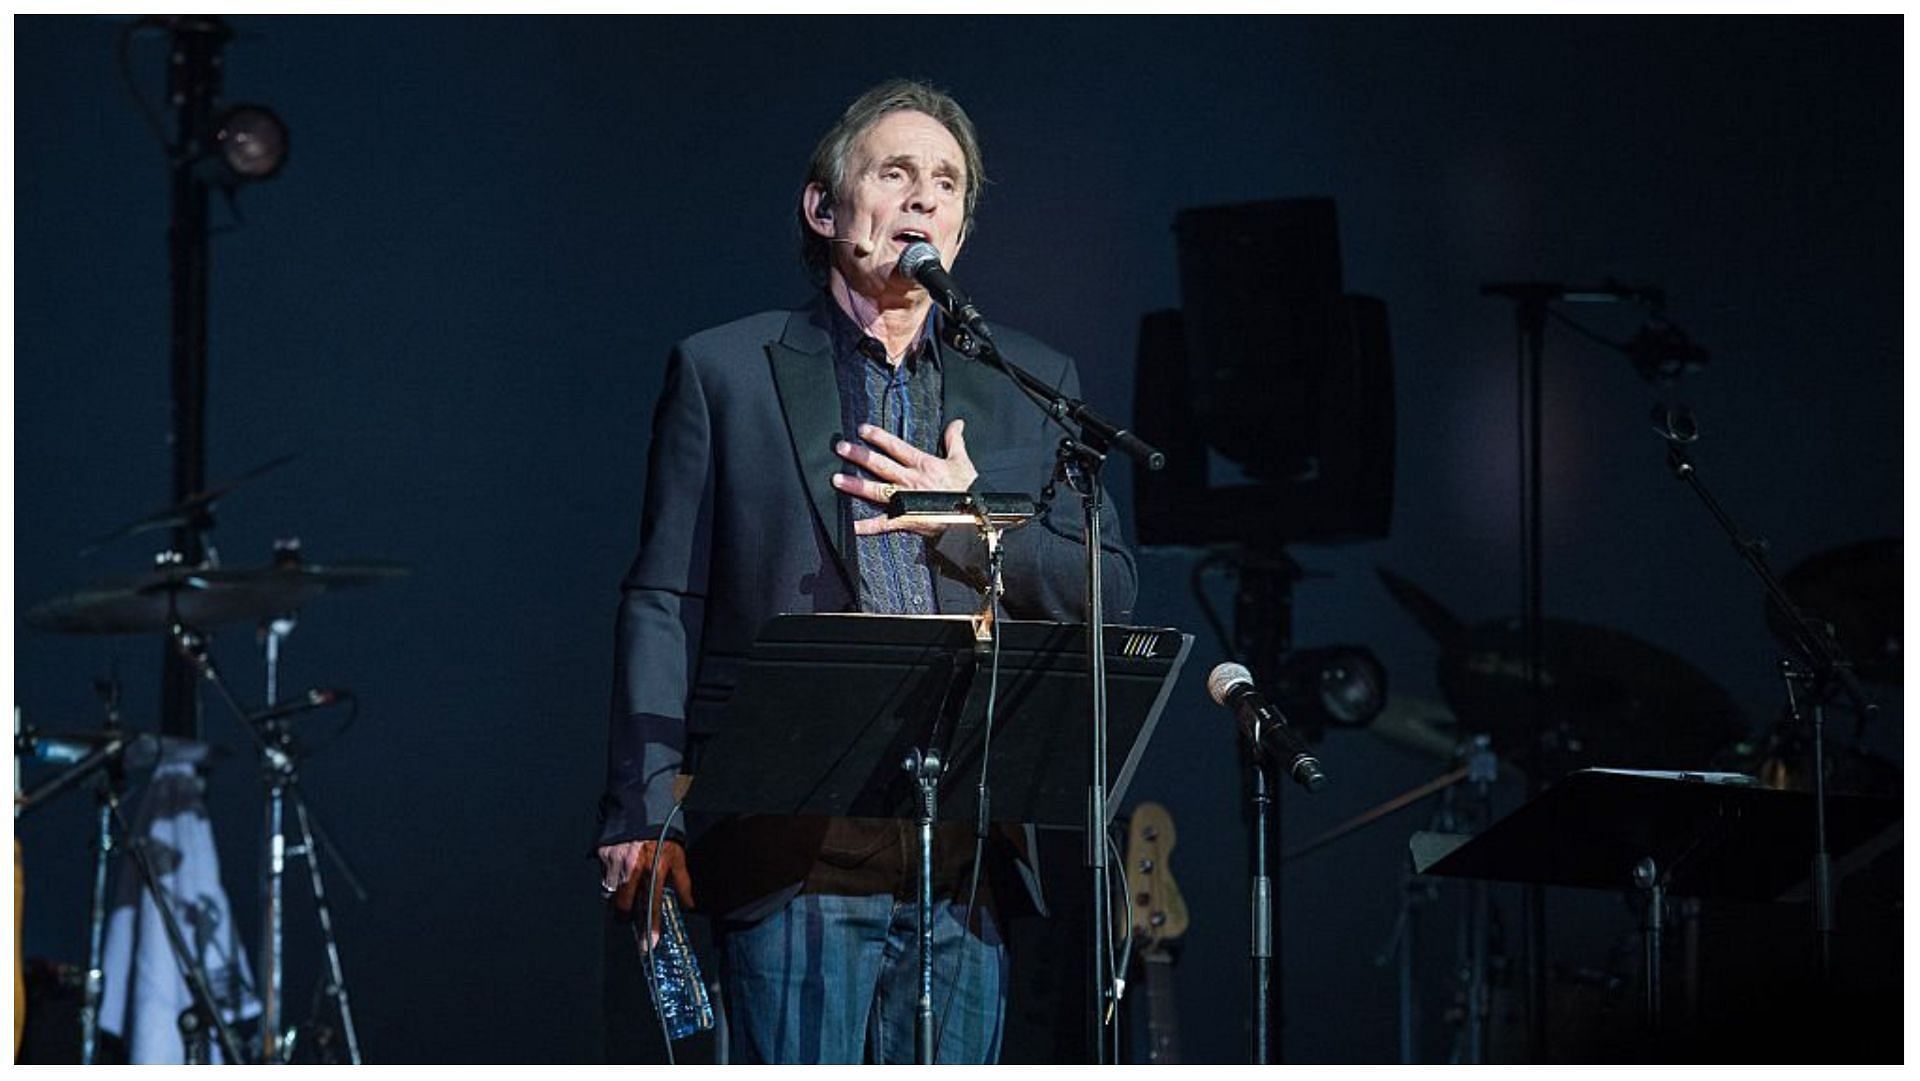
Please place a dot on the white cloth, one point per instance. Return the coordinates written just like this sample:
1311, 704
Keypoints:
144, 991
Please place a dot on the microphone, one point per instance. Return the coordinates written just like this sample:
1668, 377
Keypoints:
1231, 685
313, 699
921, 262
1661, 352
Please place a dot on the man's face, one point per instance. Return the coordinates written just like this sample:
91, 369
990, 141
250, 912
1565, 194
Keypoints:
907, 181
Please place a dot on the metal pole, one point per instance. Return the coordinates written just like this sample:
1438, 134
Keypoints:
273, 919
193, 81
925, 767
1260, 923
1532, 318
96, 929
1104, 999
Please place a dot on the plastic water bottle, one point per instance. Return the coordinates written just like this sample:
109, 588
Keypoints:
680, 995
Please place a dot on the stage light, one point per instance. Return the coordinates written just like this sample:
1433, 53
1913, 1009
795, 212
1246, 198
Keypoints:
250, 144
1332, 686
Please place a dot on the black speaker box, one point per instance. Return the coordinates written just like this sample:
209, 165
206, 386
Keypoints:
1327, 423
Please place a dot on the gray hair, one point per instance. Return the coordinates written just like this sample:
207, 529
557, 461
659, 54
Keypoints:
831, 157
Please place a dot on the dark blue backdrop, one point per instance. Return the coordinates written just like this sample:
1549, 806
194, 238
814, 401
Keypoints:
455, 302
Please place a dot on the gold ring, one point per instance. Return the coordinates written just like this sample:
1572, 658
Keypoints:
889, 491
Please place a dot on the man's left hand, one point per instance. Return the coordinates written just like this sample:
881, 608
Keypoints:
901, 466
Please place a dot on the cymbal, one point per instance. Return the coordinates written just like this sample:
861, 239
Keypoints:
1418, 724
315, 575
198, 597
1856, 588
196, 509
1609, 699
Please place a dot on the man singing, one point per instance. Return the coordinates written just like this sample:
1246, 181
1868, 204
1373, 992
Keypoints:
777, 442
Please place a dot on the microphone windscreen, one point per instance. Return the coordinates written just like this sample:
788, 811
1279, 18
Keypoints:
917, 255
1224, 678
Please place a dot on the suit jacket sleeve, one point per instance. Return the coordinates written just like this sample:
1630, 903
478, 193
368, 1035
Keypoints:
663, 604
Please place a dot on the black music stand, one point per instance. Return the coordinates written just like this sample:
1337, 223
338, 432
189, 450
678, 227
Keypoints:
1664, 833
871, 716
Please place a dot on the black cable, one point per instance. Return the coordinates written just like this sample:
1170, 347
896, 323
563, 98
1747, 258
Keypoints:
123, 56
1124, 932
980, 825
333, 737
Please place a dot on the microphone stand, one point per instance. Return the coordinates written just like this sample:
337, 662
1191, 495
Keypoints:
1078, 466
1822, 666
925, 765
1260, 928
1530, 302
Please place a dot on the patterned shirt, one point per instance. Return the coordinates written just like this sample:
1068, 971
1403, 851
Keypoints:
903, 399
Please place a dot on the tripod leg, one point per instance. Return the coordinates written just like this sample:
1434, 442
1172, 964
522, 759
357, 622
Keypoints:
336, 976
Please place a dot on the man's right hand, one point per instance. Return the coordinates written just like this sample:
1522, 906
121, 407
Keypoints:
625, 866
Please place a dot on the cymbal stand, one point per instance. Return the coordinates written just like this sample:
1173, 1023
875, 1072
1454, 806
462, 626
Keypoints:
336, 987
280, 763
275, 745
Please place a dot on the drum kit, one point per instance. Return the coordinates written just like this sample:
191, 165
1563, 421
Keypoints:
183, 604
1611, 700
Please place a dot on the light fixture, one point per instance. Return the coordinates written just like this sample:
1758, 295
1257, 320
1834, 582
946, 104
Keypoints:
250, 143
1332, 686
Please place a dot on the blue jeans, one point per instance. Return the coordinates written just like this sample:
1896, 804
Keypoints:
826, 979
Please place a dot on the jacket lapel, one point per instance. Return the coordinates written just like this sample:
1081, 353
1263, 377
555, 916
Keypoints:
802, 363
966, 390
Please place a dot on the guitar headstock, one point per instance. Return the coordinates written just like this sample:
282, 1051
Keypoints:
1159, 912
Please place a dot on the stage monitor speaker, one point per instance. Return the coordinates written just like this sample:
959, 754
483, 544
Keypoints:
1338, 421
1270, 390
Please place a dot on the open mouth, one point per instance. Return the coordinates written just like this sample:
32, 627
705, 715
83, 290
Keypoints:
910, 236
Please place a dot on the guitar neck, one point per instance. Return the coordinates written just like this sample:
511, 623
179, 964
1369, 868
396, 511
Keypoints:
1163, 1021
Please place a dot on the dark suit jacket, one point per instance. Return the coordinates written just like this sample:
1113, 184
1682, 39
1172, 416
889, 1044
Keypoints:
741, 522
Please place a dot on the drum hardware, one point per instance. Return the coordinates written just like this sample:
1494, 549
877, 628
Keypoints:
199, 597
1607, 698
1479, 769
273, 735
1855, 590
182, 601
107, 764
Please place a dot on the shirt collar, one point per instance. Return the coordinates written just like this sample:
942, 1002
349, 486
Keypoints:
849, 339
